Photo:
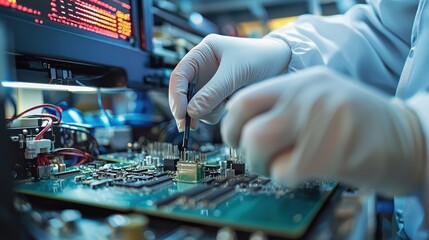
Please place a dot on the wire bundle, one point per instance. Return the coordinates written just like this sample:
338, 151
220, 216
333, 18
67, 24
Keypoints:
49, 120
74, 152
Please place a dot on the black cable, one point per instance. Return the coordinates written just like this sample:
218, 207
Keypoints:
93, 146
90, 78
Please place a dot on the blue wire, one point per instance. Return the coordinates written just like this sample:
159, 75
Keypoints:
106, 119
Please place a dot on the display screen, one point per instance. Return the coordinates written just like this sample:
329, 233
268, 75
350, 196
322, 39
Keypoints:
110, 18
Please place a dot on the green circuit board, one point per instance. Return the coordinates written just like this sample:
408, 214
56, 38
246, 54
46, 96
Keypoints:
243, 202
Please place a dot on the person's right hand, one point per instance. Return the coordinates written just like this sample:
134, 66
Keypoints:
219, 66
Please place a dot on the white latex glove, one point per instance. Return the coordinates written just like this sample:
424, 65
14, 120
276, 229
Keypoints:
318, 124
221, 65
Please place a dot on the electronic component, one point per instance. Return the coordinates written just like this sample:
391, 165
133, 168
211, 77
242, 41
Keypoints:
130, 226
146, 184
190, 171
70, 217
236, 163
229, 173
35, 147
38, 154
23, 135
189, 168
186, 195
66, 173
239, 168
222, 167
170, 164
43, 171
216, 196
226, 233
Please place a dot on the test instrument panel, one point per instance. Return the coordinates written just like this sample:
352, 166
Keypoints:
206, 188
62, 39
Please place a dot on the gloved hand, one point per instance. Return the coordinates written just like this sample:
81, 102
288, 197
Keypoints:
318, 124
220, 65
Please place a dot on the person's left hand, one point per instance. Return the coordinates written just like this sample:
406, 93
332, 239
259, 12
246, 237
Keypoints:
318, 124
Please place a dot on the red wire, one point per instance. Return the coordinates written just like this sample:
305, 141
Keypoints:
58, 109
57, 120
75, 152
45, 129
81, 162
49, 117
72, 154
46, 160
69, 149
42, 159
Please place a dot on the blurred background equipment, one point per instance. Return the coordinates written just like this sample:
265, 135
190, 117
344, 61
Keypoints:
61, 42
9, 222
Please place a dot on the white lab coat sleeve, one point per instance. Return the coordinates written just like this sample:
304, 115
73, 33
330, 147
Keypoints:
415, 208
414, 87
368, 43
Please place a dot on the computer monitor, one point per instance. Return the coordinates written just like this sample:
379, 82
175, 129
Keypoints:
79, 37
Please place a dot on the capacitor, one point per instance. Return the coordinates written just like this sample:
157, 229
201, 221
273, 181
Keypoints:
70, 217
128, 227
129, 147
22, 138
62, 167
54, 168
55, 226
258, 236
222, 167
176, 152
37, 218
229, 173
22, 206
155, 161
226, 234
148, 160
